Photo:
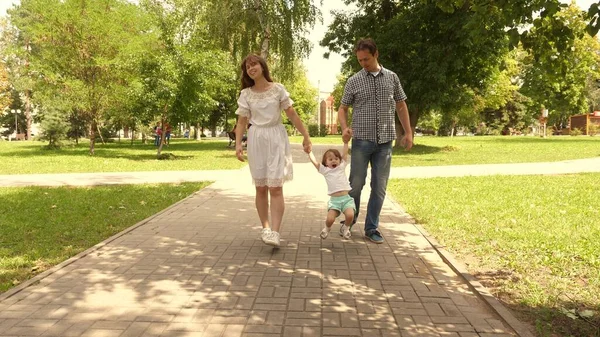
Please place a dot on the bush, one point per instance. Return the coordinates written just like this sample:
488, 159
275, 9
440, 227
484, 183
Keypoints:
576, 132
594, 130
323, 130
290, 129
54, 129
313, 130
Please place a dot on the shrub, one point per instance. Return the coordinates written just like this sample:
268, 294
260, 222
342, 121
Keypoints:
313, 130
323, 130
576, 132
54, 129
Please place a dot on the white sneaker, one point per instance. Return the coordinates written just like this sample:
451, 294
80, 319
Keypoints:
346, 234
325, 233
343, 229
273, 239
264, 234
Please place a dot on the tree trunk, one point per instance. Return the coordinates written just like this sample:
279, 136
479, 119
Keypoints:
264, 48
93, 127
100, 134
198, 131
27, 96
28, 114
164, 131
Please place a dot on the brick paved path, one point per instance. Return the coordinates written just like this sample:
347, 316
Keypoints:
199, 269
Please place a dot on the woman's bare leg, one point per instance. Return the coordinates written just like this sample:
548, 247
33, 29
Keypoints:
262, 205
277, 207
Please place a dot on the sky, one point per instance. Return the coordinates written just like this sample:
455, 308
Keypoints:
321, 72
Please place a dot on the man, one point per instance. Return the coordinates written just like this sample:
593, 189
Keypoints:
374, 93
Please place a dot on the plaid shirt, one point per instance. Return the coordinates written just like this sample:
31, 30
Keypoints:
373, 99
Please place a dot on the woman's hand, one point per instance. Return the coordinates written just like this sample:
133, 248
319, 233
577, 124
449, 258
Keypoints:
239, 152
307, 145
347, 135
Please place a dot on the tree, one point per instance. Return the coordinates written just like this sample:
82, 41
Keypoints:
269, 26
557, 80
78, 51
5, 98
436, 55
178, 84
302, 92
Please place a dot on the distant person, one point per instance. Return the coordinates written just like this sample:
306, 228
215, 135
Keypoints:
333, 168
168, 130
375, 93
157, 135
269, 156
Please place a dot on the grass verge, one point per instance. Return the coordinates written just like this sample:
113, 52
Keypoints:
184, 155
42, 227
533, 240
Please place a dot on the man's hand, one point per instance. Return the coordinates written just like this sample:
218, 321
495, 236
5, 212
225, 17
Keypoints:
239, 152
307, 145
407, 141
347, 135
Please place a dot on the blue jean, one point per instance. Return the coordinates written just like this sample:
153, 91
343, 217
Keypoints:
365, 152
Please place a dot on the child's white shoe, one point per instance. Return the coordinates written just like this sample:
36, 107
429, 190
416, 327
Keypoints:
346, 234
264, 234
273, 239
325, 233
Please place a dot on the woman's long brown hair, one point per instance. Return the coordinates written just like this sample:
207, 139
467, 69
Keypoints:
252, 59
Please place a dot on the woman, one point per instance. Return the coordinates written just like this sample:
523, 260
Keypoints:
269, 157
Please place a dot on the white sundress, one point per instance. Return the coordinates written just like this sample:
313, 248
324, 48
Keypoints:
268, 146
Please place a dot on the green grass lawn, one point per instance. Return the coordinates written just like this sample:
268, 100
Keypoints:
31, 157
42, 227
429, 151
534, 240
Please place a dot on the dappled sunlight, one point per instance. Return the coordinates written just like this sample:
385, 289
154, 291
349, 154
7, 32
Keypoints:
199, 267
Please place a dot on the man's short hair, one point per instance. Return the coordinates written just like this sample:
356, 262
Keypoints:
366, 44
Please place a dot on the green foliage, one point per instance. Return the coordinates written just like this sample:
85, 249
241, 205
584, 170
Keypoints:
81, 52
323, 130
558, 79
441, 58
54, 128
301, 91
576, 132
315, 130
266, 27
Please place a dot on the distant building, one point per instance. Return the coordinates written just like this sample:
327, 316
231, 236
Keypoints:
328, 116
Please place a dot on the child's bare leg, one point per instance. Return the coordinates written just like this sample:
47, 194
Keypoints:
331, 215
349, 214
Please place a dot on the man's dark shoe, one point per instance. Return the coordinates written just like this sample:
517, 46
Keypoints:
375, 236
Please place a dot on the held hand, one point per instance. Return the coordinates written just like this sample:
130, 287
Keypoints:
347, 135
239, 152
307, 145
407, 141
